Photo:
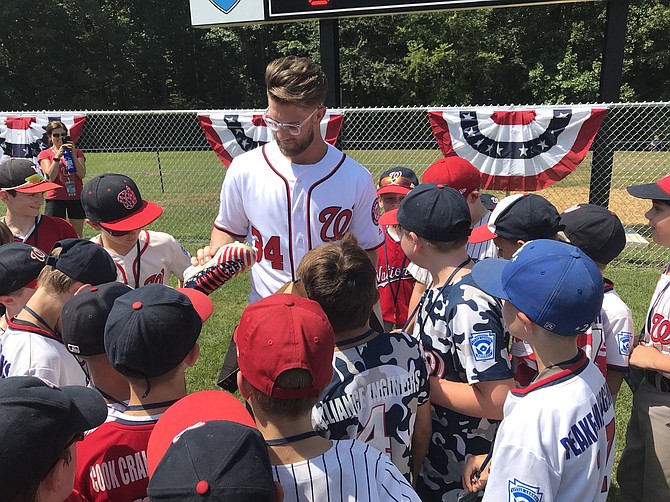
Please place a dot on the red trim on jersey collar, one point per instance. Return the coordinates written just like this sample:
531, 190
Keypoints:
607, 284
30, 328
556, 378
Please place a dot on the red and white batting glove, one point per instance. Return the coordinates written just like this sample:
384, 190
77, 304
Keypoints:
230, 260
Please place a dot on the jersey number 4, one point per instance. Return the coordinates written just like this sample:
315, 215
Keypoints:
374, 430
271, 251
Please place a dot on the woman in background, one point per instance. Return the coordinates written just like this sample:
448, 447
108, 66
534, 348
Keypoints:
63, 201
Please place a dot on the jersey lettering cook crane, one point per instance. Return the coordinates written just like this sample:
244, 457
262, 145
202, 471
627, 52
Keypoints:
286, 209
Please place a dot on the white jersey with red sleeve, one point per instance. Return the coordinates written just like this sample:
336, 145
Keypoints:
286, 209
656, 331
156, 256
556, 441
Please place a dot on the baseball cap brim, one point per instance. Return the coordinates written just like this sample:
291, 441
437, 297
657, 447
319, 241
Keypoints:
393, 189
648, 191
203, 406
150, 211
42, 186
389, 218
481, 234
488, 276
201, 302
85, 412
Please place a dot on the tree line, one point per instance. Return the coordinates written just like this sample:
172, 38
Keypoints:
144, 54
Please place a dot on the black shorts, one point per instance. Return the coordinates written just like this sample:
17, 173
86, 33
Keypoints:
59, 208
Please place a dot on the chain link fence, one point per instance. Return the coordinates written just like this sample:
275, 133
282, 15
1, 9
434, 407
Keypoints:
166, 153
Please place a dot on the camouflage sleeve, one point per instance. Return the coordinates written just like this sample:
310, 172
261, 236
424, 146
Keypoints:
480, 337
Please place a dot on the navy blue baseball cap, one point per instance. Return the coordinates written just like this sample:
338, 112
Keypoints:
84, 316
435, 212
150, 330
217, 460
20, 264
39, 421
83, 261
555, 284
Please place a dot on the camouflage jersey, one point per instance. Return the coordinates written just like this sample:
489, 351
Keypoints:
464, 340
373, 396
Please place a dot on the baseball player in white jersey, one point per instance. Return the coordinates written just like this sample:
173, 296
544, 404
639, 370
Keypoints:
599, 233
556, 441
644, 469
32, 343
297, 191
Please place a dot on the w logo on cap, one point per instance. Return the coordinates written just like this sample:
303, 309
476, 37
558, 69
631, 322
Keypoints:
128, 198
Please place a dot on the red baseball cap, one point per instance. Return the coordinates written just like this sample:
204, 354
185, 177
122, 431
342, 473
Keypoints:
189, 411
280, 333
24, 176
455, 172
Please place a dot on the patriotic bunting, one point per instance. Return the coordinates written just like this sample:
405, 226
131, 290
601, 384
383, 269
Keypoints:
231, 133
24, 135
518, 149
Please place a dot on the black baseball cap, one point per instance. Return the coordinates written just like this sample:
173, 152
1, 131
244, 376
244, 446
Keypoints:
435, 212
217, 460
24, 176
659, 190
398, 179
595, 230
114, 202
83, 261
20, 264
39, 420
84, 316
150, 330
522, 216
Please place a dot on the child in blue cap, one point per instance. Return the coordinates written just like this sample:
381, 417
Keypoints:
556, 439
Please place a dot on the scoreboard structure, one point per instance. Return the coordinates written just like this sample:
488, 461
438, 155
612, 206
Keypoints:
209, 13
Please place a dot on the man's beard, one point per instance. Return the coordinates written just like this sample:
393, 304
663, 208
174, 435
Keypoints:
294, 149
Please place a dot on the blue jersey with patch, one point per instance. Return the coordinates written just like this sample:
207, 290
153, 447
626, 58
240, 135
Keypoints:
374, 394
464, 340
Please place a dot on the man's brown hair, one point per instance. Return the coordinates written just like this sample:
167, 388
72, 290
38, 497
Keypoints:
296, 80
341, 278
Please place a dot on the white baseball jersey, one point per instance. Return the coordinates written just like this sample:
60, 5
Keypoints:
479, 251
156, 257
286, 209
656, 331
556, 441
32, 351
349, 471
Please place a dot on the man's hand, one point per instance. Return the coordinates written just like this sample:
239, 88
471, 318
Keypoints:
217, 239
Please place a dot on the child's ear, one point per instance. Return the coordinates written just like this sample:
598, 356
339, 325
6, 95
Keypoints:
527, 323
244, 386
